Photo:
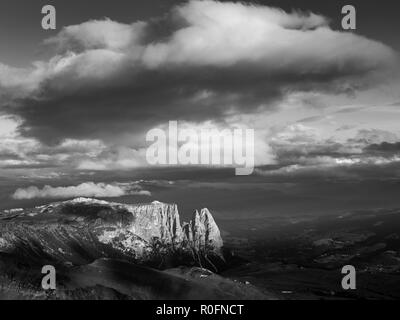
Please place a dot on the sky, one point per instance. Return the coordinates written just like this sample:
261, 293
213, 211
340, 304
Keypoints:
77, 102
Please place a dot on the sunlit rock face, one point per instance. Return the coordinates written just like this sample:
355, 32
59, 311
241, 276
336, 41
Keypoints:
79, 231
203, 233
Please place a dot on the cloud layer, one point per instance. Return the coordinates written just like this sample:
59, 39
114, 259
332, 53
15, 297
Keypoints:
299, 152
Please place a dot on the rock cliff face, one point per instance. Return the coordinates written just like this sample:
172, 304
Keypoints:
202, 232
79, 231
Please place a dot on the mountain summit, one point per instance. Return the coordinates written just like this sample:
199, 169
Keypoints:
79, 231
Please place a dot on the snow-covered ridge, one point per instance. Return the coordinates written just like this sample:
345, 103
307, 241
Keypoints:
93, 201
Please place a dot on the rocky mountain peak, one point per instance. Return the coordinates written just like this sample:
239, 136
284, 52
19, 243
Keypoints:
75, 230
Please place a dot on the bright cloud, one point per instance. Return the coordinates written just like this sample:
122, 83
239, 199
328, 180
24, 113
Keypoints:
87, 189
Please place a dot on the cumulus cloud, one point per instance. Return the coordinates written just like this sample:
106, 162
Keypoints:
224, 34
204, 60
87, 189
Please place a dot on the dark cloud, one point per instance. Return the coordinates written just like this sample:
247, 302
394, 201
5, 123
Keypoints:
110, 78
384, 147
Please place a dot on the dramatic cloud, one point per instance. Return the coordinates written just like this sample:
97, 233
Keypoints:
204, 60
87, 189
